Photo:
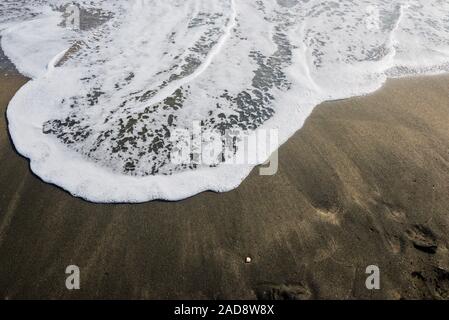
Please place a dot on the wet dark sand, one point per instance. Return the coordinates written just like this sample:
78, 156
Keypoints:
365, 182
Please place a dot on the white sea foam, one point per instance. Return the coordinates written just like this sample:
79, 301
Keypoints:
100, 125
22, 43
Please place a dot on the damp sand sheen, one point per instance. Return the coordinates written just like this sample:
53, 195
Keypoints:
101, 124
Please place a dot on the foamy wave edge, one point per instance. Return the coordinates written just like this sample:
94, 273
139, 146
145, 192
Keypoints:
49, 159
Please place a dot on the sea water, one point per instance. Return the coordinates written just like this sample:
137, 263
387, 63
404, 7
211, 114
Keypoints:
103, 123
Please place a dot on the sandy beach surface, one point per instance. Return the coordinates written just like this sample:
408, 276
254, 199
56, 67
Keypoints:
365, 182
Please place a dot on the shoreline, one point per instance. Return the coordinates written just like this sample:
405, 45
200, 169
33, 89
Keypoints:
97, 197
364, 182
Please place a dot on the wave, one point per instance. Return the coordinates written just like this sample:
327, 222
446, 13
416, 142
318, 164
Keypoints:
100, 117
